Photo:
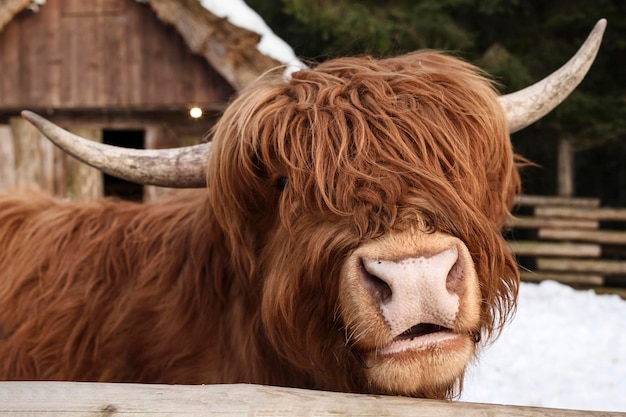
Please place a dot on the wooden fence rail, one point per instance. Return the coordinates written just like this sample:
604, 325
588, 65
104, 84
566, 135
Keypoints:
110, 400
569, 242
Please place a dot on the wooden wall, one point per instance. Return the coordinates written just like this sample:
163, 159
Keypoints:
95, 65
104, 54
27, 158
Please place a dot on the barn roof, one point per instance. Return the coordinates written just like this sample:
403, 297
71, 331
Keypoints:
232, 50
9, 8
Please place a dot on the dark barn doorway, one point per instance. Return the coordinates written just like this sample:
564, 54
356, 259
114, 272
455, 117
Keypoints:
115, 187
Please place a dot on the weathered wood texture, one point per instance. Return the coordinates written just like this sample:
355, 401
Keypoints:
7, 158
569, 277
597, 266
106, 65
542, 200
565, 173
600, 236
569, 244
100, 54
27, 158
83, 182
90, 399
231, 50
555, 249
527, 222
33, 155
157, 138
612, 214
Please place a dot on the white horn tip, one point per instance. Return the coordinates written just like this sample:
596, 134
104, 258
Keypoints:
27, 114
526, 106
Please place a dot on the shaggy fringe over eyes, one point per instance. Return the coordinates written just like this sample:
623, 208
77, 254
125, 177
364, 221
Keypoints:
375, 145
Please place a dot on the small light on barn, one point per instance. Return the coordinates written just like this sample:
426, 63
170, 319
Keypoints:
195, 112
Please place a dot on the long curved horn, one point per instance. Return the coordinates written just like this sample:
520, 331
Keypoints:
177, 167
526, 106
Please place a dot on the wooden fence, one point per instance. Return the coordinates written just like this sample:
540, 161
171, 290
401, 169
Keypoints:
570, 240
108, 400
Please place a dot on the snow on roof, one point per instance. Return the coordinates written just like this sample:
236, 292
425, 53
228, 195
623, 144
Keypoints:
240, 14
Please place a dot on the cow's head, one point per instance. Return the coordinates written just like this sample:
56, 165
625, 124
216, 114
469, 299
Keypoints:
372, 193
364, 200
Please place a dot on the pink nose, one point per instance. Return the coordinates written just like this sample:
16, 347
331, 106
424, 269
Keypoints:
416, 290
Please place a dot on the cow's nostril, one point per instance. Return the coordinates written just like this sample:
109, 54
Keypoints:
378, 288
454, 280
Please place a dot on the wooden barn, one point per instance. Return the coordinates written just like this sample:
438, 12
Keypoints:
123, 72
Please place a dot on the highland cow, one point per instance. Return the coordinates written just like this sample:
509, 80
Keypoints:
349, 237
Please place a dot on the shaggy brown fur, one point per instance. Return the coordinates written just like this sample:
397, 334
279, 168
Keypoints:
241, 282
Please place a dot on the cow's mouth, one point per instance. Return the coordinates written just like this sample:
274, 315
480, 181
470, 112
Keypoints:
420, 330
419, 337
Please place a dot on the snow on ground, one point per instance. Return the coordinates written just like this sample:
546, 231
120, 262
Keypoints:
564, 349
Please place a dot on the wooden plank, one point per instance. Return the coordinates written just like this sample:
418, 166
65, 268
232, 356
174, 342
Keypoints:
47, 150
70, 7
84, 183
11, 69
33, 59
82, 65
610, 237
7, 158
60, 173
199, 32
26, 153
163, 48
616, 214
563, 277
532, 248
69, 81
594, 266
544, 200
134, 38
34, 155
56, 53
565, 167
74, 399
155, 139
116, 61
527, 222
81, 8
